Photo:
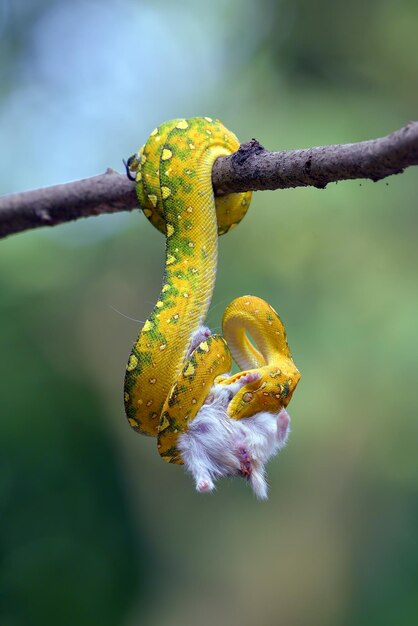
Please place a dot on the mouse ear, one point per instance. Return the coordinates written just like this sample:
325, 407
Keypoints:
207, 361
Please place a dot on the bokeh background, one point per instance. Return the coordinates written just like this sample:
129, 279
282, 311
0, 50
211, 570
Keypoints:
94, 527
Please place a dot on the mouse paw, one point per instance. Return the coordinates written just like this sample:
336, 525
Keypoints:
245, 462
249, 378
204, 485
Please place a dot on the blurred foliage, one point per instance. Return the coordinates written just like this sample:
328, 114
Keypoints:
67, 540
94, 527
348, 45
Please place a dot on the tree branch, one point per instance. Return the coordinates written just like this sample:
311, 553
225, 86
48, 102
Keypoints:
254, 168
251, 168
107, 193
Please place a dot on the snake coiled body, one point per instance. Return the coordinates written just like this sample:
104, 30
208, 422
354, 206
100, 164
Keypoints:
165, 384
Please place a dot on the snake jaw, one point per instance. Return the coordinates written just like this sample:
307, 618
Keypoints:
271, 389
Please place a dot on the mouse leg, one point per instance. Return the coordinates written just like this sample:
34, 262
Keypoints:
258, 481
197, 463
253, 472
283, 427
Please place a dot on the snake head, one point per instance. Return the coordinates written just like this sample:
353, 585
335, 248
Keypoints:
271, 391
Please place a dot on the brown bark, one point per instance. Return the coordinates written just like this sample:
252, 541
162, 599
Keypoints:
250, 168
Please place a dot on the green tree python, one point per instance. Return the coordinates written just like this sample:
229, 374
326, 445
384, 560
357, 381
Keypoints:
178, 385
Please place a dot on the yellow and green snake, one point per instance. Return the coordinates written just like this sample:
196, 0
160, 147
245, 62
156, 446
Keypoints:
166, 384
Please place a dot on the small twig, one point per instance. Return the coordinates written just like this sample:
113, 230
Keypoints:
251, 168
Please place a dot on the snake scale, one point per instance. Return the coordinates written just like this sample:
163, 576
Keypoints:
168, 378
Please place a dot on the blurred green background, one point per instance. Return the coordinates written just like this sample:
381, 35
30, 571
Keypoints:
94, 527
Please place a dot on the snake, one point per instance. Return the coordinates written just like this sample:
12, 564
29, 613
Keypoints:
166, 381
